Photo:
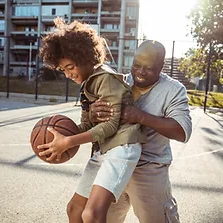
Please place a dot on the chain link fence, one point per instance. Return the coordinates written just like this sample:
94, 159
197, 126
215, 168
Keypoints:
22, 71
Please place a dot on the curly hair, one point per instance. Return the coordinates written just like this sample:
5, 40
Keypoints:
75, 41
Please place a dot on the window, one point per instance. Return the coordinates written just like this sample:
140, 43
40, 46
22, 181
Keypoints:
130, 44
128, 60
25, 11
2, 24
53, 11
132, 12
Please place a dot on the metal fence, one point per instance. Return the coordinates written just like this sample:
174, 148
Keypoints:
21, 69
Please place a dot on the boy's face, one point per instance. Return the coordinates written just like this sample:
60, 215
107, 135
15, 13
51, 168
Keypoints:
77, 74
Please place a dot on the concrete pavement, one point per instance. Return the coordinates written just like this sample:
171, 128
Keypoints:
33, 191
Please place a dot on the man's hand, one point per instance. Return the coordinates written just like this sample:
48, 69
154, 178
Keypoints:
130, 114
100, 111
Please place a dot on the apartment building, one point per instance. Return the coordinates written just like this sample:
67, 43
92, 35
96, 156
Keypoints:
23, 22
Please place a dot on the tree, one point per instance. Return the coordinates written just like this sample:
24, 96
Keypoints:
206, 27
207, 22
195, 63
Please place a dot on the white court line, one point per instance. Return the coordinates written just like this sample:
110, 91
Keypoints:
61, 164
199, 154
177, 158
16, 144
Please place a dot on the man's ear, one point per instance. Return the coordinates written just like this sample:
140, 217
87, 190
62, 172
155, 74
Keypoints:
160, 67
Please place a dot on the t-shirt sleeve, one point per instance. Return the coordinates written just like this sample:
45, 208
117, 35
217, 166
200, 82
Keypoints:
178, 109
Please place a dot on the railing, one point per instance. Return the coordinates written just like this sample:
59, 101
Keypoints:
25, 1
77, 1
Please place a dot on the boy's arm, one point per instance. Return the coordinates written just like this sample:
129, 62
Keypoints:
111, 90
85, 124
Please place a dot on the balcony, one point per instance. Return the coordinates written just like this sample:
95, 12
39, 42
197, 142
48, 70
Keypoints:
113, 48
23, 47
24, 33
2, 15
48, 19
107, 16
24, 19
129, 52
108, 13
55, 1
110, 2
86, 17
88, 3
18, 63
24, 1
106, 30
130, 35
132, 21
2, 2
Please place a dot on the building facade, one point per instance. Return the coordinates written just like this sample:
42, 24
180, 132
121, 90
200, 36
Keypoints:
23, 22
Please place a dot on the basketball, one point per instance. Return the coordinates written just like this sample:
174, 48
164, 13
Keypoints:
40, 135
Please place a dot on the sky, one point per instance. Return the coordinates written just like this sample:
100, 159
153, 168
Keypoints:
165, 21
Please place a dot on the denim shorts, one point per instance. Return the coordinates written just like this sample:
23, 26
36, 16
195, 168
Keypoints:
111, 170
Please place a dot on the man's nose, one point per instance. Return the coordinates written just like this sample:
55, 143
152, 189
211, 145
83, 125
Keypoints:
140, 70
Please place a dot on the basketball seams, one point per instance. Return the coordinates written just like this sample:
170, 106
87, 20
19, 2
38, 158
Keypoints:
34, 140
45, 133
58, 126
36, 126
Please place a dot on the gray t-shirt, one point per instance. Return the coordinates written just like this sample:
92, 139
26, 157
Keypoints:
167, 98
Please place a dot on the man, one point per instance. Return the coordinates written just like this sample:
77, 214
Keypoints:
163, 108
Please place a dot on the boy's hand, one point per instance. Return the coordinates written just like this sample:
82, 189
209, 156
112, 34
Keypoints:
100, 111
130, 114
56, 147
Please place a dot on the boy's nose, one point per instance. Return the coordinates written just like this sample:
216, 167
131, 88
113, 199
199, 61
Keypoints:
67, 74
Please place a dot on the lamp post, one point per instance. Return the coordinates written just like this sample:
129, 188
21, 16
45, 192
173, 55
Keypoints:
208, 77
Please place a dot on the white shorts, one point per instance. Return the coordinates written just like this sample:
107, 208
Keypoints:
111, 170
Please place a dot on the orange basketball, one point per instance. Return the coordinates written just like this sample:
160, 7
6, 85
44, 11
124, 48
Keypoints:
40, 135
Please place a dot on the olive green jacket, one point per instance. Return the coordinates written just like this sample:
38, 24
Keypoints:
109, 86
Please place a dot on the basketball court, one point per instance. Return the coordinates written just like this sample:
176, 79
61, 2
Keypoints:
31, 190
34, 191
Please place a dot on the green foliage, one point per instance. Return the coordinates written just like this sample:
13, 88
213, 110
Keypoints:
207, 27
207, 22
52, 100
214, 99
195, 63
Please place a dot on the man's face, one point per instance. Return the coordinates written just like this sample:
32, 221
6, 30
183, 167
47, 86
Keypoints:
143, 75
77, 74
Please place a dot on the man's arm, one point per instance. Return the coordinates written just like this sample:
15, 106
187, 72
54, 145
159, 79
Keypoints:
175, 125
167, 127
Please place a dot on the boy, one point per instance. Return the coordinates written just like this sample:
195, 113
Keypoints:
76, 50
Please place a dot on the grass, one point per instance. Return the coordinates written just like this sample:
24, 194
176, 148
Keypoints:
196, 98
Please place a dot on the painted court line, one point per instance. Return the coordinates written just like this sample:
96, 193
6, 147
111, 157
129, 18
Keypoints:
177, 158
16, 144
199, 154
